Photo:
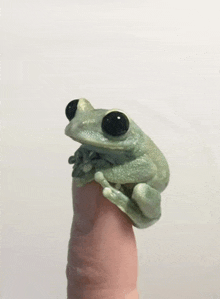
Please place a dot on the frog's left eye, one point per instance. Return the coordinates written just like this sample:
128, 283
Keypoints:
71, 109
115, 123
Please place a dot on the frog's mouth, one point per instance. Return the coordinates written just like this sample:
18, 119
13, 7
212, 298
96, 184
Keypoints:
103, 149
101, 141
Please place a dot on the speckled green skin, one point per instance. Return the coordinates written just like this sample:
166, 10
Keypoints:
130, 168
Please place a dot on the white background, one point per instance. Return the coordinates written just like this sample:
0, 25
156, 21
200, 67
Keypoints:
160, 62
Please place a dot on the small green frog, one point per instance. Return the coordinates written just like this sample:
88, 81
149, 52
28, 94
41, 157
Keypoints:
118, 155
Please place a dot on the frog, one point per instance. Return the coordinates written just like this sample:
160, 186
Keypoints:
119, 156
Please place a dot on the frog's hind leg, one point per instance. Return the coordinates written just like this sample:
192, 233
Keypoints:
148, 200
111, 193
124, 203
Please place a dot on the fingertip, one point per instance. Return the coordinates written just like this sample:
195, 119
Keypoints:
102, 243
91, 200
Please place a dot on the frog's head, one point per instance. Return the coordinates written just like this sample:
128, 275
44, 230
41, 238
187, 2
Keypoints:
104, 130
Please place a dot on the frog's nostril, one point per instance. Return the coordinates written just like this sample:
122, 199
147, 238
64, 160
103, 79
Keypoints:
71, 109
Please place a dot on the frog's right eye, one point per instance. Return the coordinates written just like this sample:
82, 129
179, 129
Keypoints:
71, 109
115, 123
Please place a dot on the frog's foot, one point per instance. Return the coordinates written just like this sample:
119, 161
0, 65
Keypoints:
125, 204
148, 200
112, 194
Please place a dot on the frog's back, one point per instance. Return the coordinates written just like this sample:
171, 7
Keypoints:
161, 179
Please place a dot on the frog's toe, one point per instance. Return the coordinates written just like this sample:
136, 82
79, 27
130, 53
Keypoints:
87, 167
107, 192
114, 196
99, 176
72, 160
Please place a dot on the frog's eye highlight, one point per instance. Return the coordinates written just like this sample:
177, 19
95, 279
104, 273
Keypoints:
115, 123
71, 109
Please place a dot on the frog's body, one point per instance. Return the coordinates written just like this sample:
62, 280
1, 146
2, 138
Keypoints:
120, 157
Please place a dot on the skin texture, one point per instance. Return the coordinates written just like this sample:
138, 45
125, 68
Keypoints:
102, 255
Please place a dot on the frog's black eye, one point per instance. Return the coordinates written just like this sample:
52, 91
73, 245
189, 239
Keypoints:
115, 123
71, 109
